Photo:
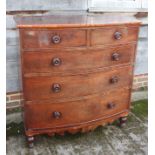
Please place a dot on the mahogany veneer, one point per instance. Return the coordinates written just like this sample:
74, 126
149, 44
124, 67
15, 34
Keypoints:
77, 71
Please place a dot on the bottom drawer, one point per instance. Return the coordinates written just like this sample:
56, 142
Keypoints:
46, 114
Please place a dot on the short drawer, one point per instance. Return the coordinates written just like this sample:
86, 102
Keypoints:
52, 38
62, 61
47, 114
57, 87
114, 35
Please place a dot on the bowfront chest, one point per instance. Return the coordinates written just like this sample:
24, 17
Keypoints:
77, 71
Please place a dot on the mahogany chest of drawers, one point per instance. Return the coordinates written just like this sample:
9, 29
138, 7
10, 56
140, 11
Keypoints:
77, 71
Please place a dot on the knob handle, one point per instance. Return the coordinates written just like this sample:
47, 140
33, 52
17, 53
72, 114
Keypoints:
56, 61
118, 35
56, 39
115, 56
111, 105
114, 79
56, 88
56, 114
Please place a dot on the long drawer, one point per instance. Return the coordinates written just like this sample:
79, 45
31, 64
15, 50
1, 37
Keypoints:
46, 114
60, 61
51, 87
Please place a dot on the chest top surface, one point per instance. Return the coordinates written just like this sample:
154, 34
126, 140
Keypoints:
62, 21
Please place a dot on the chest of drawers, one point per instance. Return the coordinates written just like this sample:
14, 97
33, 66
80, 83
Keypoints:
77, 71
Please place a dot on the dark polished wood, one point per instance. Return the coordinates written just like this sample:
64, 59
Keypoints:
30, 140
77, 71
122, 121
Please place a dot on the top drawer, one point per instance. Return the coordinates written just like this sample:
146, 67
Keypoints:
53, 38
113, 35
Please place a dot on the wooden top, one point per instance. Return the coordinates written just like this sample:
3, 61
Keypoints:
59, 21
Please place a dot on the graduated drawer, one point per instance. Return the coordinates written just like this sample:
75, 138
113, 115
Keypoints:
59, 61
44, 38
47, 114
113, 35
57, 87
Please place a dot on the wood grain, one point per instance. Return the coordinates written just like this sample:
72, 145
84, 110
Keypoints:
44, 38
107, 35
87, 126
77, 71
40, 88
75, 112
72, 21
77, 60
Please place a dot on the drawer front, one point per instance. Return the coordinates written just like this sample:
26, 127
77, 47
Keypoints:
50, 115
39, 88
53, 38
59, 61
115, 35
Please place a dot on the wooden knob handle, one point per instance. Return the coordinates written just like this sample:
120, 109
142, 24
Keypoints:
56, 39
114, 79
115, 56
56, 61
56, 114
56, 88
111, 105
118, 35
